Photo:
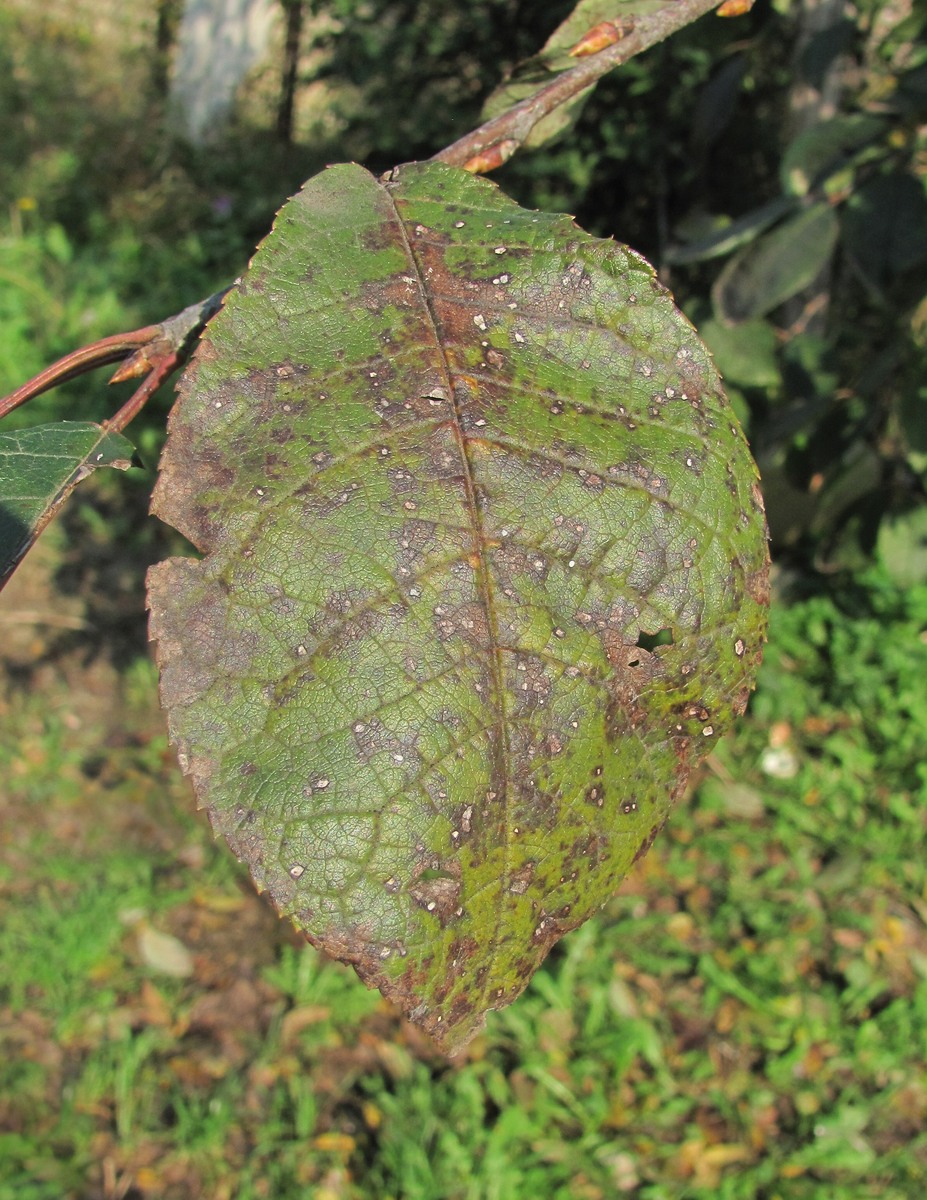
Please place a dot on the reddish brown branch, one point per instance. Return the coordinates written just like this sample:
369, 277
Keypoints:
155, 351
496, 140
78, 362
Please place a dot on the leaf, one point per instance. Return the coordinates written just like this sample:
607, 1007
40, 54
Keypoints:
911, 414
885, 226
590, 14
776, 266
902, 547
744, 354
729, 235
717, 103
825, 148
592, 25
460, 472
39, 468
163, 952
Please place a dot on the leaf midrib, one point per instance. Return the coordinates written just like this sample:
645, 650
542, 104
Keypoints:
485, 589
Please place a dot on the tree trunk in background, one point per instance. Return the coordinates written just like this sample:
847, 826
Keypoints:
168, 18
294, 27
819, 71
219, 42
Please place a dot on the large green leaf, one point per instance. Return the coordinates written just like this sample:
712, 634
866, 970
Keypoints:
485, 577
39, 468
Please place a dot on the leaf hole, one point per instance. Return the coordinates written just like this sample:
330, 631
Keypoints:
650, 641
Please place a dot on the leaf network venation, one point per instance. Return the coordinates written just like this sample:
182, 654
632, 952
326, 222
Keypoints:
484, 577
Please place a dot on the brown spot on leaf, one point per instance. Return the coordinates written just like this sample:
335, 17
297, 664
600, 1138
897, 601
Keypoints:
438, 892
757, 585
520, 880
466, 621
595, 795
648, 841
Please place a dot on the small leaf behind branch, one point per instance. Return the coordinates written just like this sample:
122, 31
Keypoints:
39, 468
592, 25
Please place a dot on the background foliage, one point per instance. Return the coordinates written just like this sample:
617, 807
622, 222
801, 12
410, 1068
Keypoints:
746, 1019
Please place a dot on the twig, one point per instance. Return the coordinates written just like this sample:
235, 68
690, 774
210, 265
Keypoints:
162, 356
78, 362
154, 351
495, 141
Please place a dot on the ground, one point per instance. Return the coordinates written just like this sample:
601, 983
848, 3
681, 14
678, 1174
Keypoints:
745, 1019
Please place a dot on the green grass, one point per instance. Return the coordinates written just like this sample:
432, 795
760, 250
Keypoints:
744, 1020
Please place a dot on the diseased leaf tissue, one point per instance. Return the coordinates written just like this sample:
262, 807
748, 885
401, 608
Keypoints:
484, 577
